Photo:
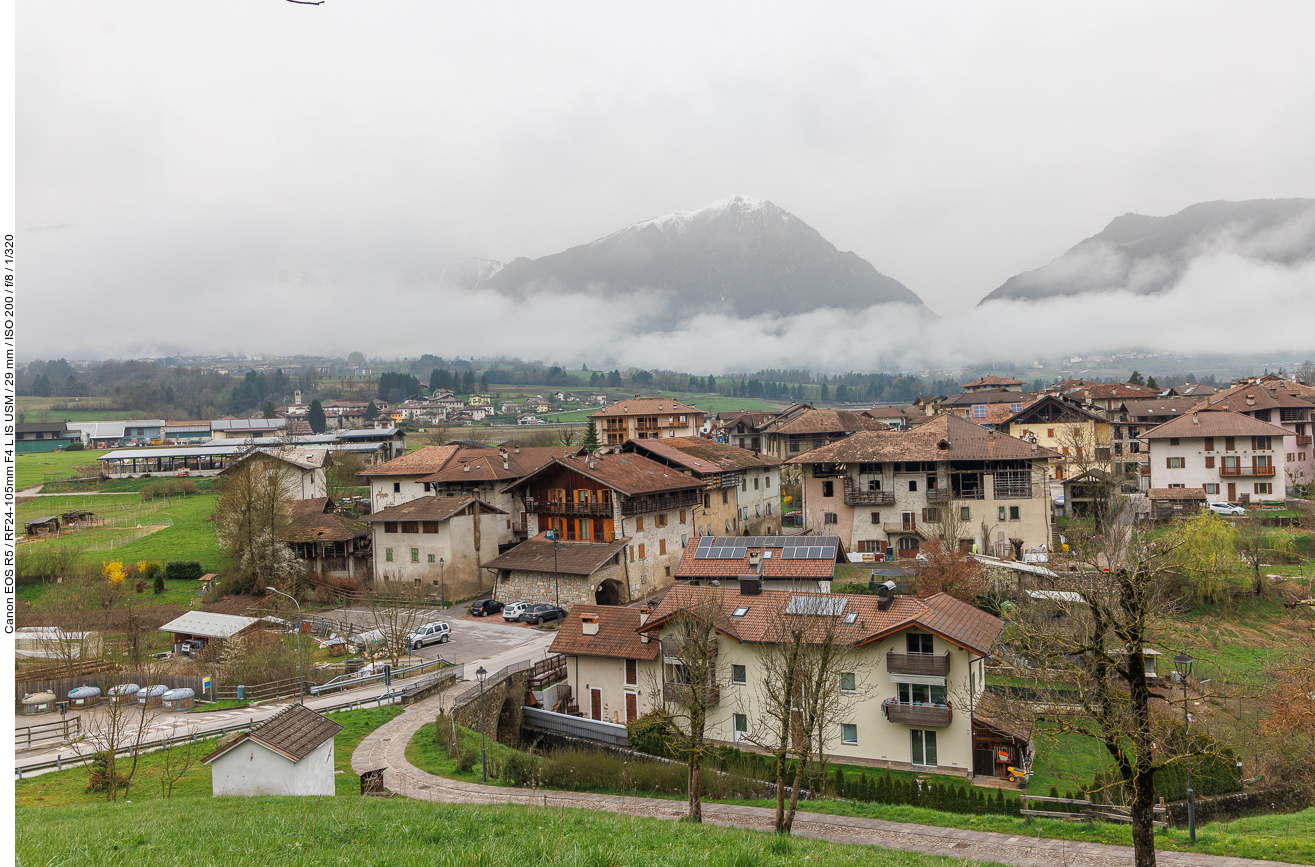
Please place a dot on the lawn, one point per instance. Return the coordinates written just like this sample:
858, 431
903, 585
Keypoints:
67, 788
265, 832
37, 409
35, 468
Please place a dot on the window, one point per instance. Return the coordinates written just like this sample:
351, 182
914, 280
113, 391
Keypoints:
632, 672
1209, 444
741, 726
769, 509
1050, 432
397, 487
1177, 486
431, 558
874, 484
660, 520
1230, 444
1174, 463
1002, 513
756, 480
410, 526
848, 682
828, 517
641, 551
388, 555
429, 526
744, 483
682, 516
924, 748
964, 513
767, 480
1064, 449
662, 546
415, 555
707, 501
1173, 441
1209, 462
390, 526
1211, 488
426, 487
794, 447
913, 484
740, 611
632, 553
848, 733
828, 488
1015, 407
979, 410
682, 419
639, 526
931, 515
1013, 513
725, 497
1260, 444
876, 517
738, 675
1264, 487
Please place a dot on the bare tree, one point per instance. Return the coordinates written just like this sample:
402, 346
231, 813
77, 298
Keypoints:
117, 727
568, 436
177, 759
1252, 544
395, 615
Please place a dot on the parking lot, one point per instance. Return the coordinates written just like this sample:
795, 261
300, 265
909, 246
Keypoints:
472, 638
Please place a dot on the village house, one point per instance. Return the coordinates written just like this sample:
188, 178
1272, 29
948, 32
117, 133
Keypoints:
991, 406
399, 480
1102, 398
436, 543
912, 699
743, 489
567, 574
607, 496
806, 563
608, 662
891, 491
801, 428
994, 383
302, 469
1234, 457
1081, 437
741, 428
1127, 424
1286, 404
291, 753
646, 418
326, 542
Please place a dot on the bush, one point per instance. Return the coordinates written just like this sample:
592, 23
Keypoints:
98, 774
183, 570
648, 734
444, 734
74, 447
520, 769
466, 760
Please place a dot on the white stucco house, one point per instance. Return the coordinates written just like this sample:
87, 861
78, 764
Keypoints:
291, 753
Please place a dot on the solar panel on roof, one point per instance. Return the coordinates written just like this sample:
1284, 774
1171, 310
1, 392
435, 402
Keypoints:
823, 606
739, 553
829, 552
706, 541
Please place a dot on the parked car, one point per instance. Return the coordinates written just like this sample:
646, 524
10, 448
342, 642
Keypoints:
437, 632
1227, 509
485, 607
536, 614
514, 611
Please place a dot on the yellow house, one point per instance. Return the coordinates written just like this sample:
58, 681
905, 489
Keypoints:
1082, 438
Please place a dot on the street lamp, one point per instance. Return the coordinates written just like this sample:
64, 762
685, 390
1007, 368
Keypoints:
442, 586
556, 587
480, 675
1182, 663
301, 667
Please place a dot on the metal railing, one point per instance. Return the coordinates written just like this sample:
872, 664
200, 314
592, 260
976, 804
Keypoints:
930, 664
681, 693
575, 726
354, 681
28, 737
1253, 470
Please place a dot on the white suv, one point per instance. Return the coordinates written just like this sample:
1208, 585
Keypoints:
437, 632
512, 613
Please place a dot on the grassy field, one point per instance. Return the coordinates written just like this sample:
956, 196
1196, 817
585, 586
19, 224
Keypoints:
35, 409
35, 468
68, 788
265, 832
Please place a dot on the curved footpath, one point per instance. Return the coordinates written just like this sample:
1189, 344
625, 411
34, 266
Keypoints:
386, 748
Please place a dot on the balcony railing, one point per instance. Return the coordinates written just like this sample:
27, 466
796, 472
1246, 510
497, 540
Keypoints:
681, 693
661, 503
556, 507
1145, 469
1303, 441
866, 498
931, 664
1254, 470
916, 714
671, 650
943, 495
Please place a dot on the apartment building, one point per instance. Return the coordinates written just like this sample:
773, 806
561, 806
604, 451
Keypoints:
436, 543
742, 492
1233, 457
1082, 438
645, 419
1284, 403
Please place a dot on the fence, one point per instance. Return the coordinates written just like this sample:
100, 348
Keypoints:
289, 686
492, 679
61, 686
1089, 811
353, 681
577, 727
59, 731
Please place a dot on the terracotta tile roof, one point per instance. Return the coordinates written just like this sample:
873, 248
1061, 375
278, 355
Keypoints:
972, 398
943, 615
617, 638
962, 441
1248, 398
313, 506
421, 462
819, 568
1080, 389
322, 527
702, 456
992, 380
823, 421
1214, 423
883, 412
480, 465
1176, 493
647, 406
750, 418
572, 558
1169, 406
992, 714
1193, 389
629, 473
429, 509
296, 732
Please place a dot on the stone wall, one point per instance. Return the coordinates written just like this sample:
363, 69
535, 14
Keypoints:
503, 700
520, 586
1256, 803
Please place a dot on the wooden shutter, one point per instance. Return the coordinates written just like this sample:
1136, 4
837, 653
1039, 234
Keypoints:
632, 671
662, 546
1209, 462
1168, 463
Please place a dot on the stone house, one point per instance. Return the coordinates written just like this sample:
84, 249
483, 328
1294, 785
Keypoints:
1127, 424
567, 574
436, 543
742, 491
399, 480
891, 491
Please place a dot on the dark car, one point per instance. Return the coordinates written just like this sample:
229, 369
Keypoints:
536, 614
485, 607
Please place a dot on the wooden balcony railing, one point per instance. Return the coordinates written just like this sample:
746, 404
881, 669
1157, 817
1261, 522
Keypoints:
1253, 470
681, 693
931, 664
661, 502
554, 507
866, 498
920, 715
1303, 441
671, 650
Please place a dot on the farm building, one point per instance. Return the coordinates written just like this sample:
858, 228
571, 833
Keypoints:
204, 626
291, 753
47, 526
1176, 502
43, 436
328, 543
51, 642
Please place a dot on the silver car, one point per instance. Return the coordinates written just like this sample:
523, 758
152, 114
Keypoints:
437, 632
513, 612
1227, 509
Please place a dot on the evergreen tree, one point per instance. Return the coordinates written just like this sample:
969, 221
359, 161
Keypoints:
1136, 379
440, 380
824, 390
371, 411
712, 384
590, 440
614, 379
267, 409
484, 384
315, 417
468, 382
1151, 383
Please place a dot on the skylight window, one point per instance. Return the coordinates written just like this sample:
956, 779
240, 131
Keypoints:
851, 617
741, 611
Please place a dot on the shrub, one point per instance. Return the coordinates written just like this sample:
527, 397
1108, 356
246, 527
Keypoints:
648, 734
183, 570
520, 769
444, 734
466, 760
98, 774
74, 447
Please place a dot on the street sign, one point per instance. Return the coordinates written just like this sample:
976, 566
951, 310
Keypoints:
205, 684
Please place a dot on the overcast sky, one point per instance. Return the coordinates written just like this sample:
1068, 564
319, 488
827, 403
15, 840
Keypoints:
267, 176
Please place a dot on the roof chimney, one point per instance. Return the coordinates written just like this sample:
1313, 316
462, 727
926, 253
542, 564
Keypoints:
465, 468
589, 624
1195, 419
885, 595
1251, 400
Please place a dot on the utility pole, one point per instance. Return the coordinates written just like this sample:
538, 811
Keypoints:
301, 667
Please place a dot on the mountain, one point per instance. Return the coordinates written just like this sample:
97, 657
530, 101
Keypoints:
1149, 255
739, 255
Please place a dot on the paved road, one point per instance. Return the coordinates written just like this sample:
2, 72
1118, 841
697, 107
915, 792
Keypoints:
386, 748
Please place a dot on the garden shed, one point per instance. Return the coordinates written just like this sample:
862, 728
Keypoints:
291, 753
47, 526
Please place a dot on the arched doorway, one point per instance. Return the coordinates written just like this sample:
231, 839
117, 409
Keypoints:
609, 593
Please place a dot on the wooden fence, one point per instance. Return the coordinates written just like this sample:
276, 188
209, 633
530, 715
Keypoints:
258, 691
1089, 811
57, 731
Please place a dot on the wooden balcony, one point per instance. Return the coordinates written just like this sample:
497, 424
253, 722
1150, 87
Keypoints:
1146, 470
918, 715
661, 502
944, 495
681, 693
1303, 441
931, 664
671, 650
1254, 470
866, 498
554, 507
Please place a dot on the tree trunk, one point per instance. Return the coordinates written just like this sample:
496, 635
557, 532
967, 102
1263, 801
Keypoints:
1143, 818
781, 827
695, 788
794, 794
